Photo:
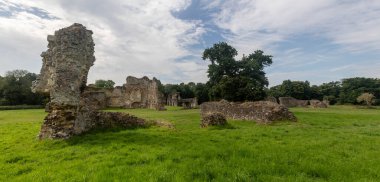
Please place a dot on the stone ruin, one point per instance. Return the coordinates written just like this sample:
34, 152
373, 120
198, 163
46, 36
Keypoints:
63, 75
261, 111
136, 93
174, 99
317, 104
292, 102
213, 119
271, 99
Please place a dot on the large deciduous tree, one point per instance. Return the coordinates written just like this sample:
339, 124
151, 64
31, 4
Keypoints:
236, 80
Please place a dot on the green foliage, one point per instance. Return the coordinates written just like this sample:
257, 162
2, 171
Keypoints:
354, 87
15, 89
104, 83
296, 89
334, 144
236, 80
189, 90
345, 92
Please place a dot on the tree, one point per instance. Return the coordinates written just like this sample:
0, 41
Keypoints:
368, 98
236, 80
104, 83
222, 60
201, 91
352, 88
16, 90
16, 73
296, 89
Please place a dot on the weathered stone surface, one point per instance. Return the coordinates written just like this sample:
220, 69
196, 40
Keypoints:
213, 119
292, 102
271, 99
142, 93
72, 110
95, 99
136, 93
317, 104
261, 111
189, 103
66, 64
174, 99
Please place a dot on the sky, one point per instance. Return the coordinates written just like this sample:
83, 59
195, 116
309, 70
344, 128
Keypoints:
319, 41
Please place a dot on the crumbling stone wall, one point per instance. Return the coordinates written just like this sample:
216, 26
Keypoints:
136, 93
271, 99
64, 72
292, 102
189, 103
260, 111
142, 93
172, 99
213, 119
317, 104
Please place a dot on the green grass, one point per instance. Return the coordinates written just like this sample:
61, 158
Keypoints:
335, 144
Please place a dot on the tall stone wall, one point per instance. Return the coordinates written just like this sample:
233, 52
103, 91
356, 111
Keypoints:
136, 93
142, 93
72, 110
261, 111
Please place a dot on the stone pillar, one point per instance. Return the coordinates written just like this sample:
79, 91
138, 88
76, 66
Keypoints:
63, 75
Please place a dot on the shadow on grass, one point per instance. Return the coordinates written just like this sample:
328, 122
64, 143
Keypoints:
106, 137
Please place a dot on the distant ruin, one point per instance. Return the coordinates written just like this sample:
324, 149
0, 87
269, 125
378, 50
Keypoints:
260, 111
72, 109
136, 93
174, 99
292, 102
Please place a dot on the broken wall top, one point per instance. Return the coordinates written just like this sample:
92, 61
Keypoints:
66, 64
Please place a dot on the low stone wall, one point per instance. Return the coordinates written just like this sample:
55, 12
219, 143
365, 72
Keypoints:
65, 121
292, 102
317, 104
261, 111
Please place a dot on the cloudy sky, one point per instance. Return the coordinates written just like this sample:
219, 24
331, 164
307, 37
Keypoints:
319, 41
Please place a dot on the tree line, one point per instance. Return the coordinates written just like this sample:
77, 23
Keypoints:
229, 78
15, 89
345, 91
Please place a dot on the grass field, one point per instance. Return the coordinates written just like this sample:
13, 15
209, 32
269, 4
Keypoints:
336, 144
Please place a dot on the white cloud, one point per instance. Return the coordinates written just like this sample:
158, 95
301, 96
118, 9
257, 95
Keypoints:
138, 37
261, 23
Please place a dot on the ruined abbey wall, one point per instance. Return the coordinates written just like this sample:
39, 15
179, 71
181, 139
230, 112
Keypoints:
73, 109
136, 93
292, 102
260, 111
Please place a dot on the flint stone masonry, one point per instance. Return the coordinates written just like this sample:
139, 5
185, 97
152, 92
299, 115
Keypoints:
317, 104
136, 93
63, 75
213, 119
260, 111
292, 102
174, 99
271, 99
